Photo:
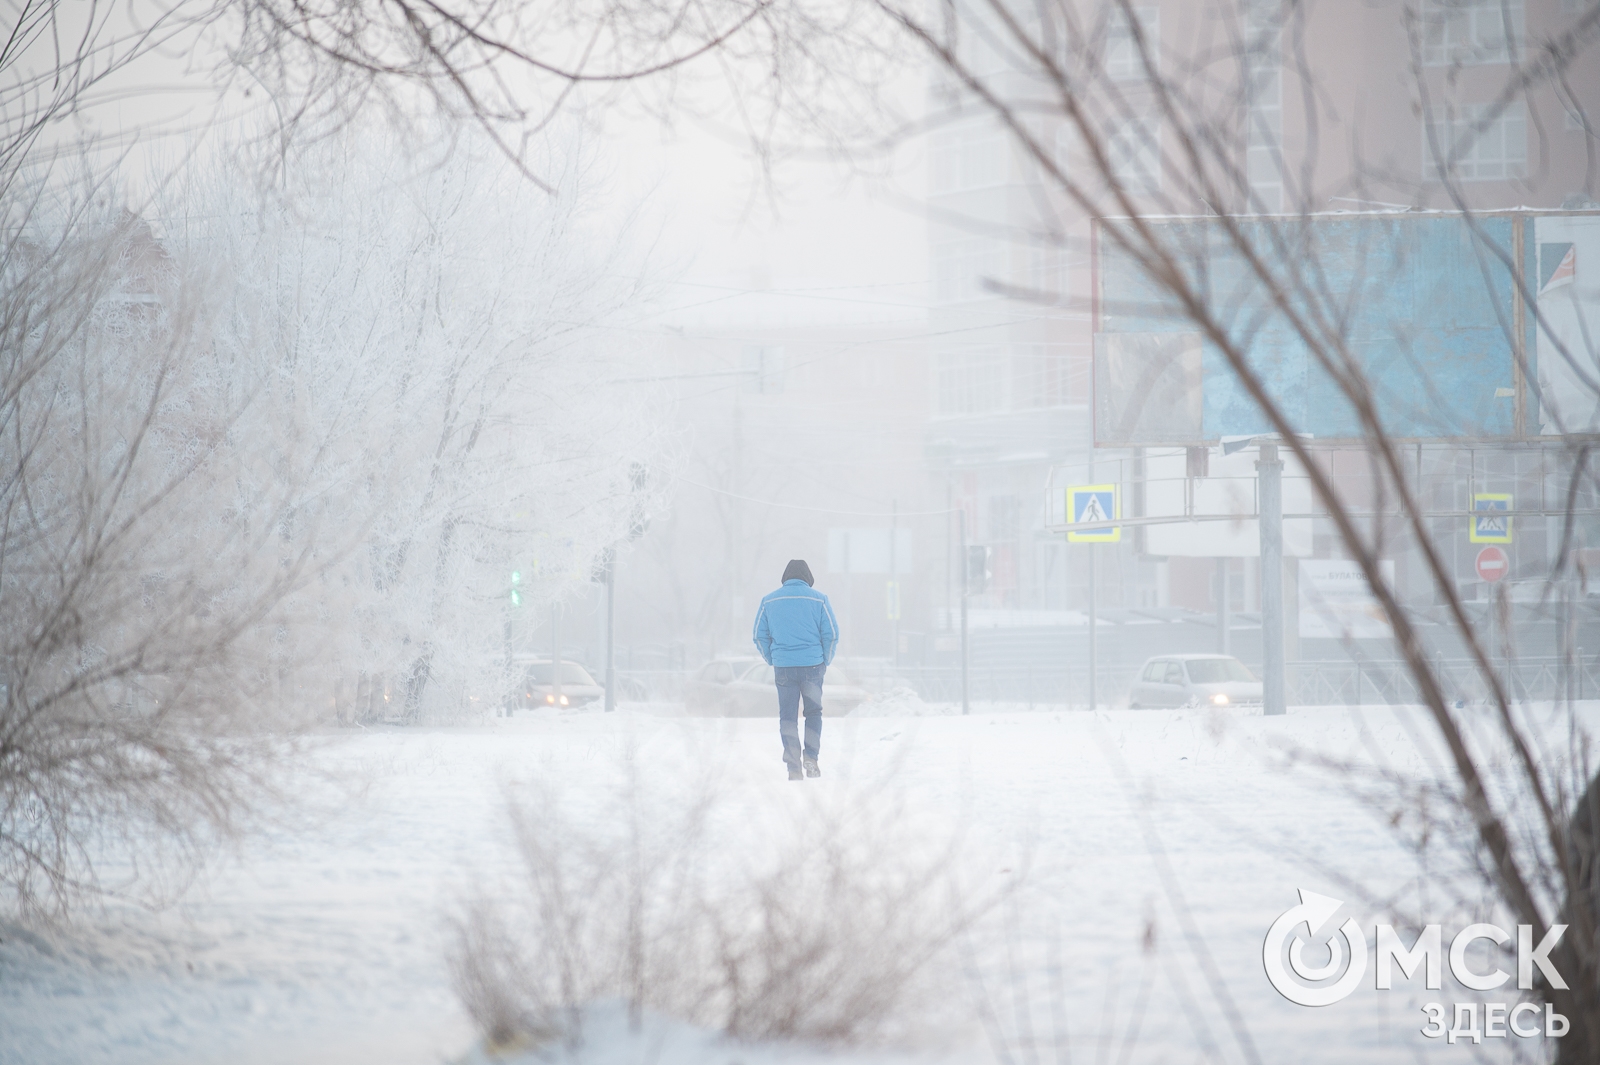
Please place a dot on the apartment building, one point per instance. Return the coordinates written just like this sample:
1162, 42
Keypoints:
1322, 106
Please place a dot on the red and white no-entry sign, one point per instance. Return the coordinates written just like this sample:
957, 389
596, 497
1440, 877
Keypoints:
1492, 564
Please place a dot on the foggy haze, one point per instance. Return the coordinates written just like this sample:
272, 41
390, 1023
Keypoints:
833, 532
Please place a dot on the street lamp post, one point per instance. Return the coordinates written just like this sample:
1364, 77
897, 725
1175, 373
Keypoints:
966, 567
611, 633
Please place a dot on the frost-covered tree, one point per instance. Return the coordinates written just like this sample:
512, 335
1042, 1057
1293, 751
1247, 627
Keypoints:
150, 555
260, 443
442, 330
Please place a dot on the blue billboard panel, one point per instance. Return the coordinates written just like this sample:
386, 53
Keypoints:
1418, 311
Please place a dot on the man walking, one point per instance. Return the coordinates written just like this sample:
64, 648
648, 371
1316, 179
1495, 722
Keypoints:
797, 634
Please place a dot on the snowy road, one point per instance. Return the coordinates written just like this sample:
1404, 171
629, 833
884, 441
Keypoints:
1162, 845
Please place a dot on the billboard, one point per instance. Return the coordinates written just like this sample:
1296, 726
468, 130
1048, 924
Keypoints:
1337, 604
1562, 261
1430, 306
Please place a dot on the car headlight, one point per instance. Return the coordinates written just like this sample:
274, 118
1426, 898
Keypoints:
1219, 700
563, 700
550, 698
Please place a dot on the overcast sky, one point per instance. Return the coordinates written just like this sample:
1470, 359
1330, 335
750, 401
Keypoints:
820, 244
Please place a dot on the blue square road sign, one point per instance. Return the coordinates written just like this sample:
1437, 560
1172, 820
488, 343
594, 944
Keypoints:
1093, 503
1491, 522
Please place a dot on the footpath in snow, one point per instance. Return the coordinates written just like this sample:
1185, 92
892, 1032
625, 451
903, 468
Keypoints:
1157, 848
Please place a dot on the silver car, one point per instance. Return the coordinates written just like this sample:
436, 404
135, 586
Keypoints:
1194, 680
705, 694
538, 688
754, 694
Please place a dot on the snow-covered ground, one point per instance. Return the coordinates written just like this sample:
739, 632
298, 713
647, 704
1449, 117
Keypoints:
1158, 847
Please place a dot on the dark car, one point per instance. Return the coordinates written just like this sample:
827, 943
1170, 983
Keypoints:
1194, 680
539, 687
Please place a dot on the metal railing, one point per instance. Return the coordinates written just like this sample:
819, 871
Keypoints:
1032, 687
1310, 683
934, 684
1527, 679
653, 685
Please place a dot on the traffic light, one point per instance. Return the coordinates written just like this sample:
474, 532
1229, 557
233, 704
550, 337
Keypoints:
978, 572
516, 590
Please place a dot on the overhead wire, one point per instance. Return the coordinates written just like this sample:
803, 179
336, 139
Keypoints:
822, 510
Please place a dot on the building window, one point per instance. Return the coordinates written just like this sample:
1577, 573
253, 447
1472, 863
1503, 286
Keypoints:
961, 266
1476, 147
963, 159
1134, 152
1123, 62
970, 382
1042, 376
1025, 376
1263, 74
982, 57
944, 162
1046, 269
1470, 31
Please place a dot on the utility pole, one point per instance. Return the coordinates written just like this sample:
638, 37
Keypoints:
966, 566
1269, 474
555, 657
1094, 622
515, 602
1570, 664
736, 534
611, 632
1224, 623
949, 508
894, 583
1094, 634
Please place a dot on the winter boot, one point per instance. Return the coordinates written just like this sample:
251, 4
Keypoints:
811, 769
795, 774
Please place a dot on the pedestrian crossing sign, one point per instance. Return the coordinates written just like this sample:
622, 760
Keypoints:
1093, 503
1491, 520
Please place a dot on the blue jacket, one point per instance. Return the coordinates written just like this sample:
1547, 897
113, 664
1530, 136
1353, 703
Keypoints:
796, 627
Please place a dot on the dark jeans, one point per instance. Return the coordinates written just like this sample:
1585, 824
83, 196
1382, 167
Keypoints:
796, 683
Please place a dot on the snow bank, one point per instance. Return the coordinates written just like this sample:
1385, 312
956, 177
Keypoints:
900, 702
613, 1040
1139, 836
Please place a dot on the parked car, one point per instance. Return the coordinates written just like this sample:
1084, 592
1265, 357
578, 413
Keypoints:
876, 675
705, 693
754, 694
539, 688
1194, 680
